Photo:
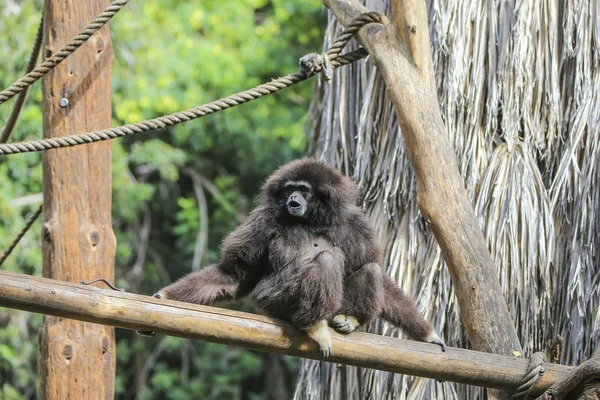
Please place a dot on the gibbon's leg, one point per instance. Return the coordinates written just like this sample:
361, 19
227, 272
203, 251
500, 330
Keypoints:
363, 298
210, 285
401, 311
319, 297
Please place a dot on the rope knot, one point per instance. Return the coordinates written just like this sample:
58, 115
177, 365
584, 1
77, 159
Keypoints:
534, 373
313, 63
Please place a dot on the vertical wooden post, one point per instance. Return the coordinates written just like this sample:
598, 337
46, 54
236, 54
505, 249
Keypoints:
76, 359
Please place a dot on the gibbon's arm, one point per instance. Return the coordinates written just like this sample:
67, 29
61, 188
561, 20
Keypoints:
242, 265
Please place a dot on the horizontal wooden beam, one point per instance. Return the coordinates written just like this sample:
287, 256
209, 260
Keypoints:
133, 311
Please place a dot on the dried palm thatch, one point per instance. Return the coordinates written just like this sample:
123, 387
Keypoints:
519, 89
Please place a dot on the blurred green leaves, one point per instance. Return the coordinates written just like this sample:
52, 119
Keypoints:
160, 156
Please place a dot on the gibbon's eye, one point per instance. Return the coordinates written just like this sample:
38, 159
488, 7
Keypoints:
303, 187
295, 186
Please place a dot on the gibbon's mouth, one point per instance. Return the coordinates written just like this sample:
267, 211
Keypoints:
296, 208
294, 204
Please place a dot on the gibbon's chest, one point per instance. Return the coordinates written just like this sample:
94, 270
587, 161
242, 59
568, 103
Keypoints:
299, 248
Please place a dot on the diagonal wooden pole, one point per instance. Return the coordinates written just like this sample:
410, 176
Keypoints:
402, 53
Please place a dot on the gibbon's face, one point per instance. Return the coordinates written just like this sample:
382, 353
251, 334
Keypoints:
298, 197
307, 191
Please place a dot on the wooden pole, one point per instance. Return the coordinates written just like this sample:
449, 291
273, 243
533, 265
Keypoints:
76, 359
402, 53
133, 311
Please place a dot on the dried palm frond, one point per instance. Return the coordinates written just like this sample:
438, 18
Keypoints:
519, 90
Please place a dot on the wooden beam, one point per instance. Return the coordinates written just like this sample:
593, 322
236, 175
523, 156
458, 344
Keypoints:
133, 311
77, 359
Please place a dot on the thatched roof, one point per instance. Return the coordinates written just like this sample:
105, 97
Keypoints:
519, 90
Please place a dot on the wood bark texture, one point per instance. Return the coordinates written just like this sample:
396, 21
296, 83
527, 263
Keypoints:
76, 359
133, 311
402, 53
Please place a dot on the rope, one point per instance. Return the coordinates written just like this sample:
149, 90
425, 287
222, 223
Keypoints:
276, 85
18, 106
41, 70
534, 373
370, 17
307, 70
16, 240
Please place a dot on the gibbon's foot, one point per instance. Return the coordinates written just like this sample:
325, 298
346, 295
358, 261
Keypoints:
319, 332
433, 338
344, 323
149, 333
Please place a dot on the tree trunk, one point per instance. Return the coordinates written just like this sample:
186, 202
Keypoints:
77, 359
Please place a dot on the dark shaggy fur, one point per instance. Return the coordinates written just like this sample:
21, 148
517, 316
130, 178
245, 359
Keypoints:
308, 268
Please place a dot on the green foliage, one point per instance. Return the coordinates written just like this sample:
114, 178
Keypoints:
159, 155
169, 55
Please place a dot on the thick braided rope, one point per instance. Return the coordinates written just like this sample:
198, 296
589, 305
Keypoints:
190, 114
370, 17
18, 106
534, 373
42, 69
16, 240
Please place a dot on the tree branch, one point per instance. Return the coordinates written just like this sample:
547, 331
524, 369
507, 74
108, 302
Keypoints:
135, 274
133, 311
202, 237
410, 24
585, 378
